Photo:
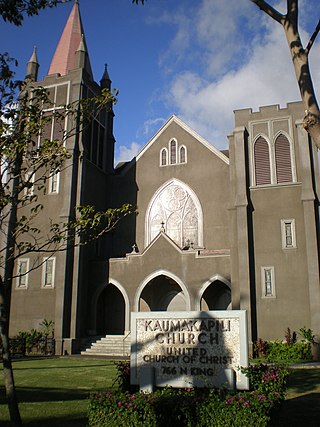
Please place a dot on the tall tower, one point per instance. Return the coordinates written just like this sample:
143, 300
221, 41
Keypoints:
64, 299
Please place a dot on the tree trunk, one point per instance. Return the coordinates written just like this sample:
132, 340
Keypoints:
300, 61
7, 366
5, 295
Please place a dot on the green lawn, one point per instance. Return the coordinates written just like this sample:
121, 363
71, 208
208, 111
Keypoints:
53, 392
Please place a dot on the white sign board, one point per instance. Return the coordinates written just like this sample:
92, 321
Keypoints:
190, 349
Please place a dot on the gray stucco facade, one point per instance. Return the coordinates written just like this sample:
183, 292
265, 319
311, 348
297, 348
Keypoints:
237, 229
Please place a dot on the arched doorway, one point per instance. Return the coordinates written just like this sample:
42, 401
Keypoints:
217, 296
162, 293
110, 314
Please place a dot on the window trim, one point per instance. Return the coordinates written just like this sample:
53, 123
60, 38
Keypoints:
264, 293
164, 149
196, 201
26, 275
185, 154
271, 160
270, 135
177, 151
44, 272
57, 174
29, 176
173, 150
292, 222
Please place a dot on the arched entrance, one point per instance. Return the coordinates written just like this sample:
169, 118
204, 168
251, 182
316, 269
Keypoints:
162, 293
110, 314
217, 296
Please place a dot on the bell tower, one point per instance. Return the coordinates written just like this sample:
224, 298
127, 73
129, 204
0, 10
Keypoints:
84, 180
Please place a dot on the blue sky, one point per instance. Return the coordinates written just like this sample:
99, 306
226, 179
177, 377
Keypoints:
197, 59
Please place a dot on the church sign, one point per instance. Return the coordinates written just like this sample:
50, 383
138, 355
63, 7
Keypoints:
190, 349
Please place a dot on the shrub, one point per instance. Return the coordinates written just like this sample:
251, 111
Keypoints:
294, 352
267, 379
121, 409
261, 347
193, 407
307, 335
247, 409
123, 375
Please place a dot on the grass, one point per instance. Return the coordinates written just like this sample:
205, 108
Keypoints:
53, 392
302, 405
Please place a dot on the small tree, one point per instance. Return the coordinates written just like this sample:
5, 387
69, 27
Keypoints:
300, 59
25, 167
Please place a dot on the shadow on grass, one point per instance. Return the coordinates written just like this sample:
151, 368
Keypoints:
300, 411
29, 395
58, 367
53, 422
304, 381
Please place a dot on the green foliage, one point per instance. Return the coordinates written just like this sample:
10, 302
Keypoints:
247, 409
15, 11
192, 407
27, 342
47, 327
307, 335
121, 409
293, 352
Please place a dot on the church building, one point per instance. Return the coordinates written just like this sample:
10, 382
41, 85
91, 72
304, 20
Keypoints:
215, 230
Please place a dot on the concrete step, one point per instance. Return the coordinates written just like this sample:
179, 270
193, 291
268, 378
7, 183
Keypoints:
110, 345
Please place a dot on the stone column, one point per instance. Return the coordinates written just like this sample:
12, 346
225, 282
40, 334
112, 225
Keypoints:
308, 206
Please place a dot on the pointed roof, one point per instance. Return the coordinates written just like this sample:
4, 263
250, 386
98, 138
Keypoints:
34, 59
64, 57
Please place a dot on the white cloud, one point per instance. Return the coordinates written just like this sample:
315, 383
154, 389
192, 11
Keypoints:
267, 77
152, 125
127, 153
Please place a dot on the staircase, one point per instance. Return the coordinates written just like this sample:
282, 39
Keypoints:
110, 345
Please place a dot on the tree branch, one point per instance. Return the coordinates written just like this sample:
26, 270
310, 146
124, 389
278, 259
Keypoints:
269, 10
312, 39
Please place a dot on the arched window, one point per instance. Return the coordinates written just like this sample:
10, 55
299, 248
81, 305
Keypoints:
283, 159
262, 162
183, 154
176, 209
173, 152
163, 157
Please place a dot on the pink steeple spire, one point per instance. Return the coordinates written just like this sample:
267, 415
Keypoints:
64, 58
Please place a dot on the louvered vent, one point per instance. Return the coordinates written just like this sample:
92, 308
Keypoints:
262, 162
283, 159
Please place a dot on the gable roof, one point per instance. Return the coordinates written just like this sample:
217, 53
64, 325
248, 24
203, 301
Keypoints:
72, 36
179, 122
188, 129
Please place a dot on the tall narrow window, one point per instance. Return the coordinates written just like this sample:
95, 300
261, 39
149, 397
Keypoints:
173, 152
163, 157
288, 233
182, 150
48, 273
29, 181
54, 183
262, 162
267, 282
283, 159
22, 273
